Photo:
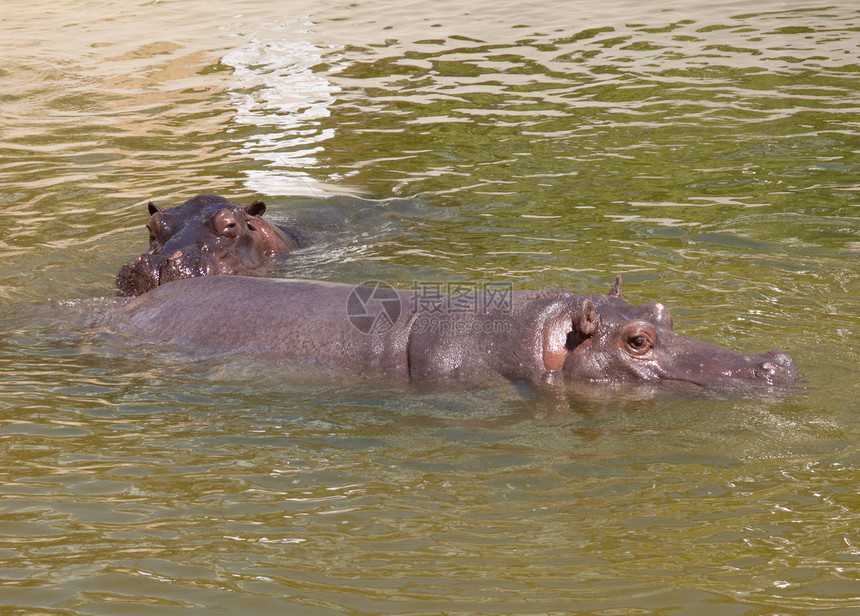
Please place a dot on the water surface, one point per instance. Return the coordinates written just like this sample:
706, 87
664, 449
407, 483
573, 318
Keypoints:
706, 153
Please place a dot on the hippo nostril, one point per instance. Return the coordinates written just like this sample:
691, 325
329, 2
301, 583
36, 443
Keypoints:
768, 367
768, 372
777, 368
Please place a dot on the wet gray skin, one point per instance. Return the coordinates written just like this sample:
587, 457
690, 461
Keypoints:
535, 335
205, 236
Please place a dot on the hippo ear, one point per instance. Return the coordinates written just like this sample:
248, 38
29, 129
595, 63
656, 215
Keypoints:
615, 291
256, 209
154, 208
585, 324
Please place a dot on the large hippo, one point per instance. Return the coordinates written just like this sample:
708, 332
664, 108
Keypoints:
420, 334
204, 236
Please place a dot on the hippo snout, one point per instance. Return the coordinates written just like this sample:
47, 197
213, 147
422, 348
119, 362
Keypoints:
151, 270
137, 276
777, 368
190, 264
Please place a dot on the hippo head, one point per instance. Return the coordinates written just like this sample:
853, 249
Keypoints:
611, 340
206, 235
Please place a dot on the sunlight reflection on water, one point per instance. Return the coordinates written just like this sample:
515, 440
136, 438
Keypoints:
705, 152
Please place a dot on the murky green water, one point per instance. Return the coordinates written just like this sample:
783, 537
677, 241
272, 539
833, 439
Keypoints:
708, 154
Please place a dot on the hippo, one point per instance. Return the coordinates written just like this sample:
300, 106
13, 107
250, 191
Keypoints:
205, 236
540, 336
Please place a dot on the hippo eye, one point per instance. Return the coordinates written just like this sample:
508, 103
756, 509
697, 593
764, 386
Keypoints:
225, 223
639, 343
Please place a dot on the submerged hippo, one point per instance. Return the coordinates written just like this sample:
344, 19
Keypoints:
204, 236
536, 335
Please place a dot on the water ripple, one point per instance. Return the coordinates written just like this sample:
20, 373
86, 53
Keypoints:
706, 152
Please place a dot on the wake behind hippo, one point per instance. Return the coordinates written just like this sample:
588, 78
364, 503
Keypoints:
492, 330
205, 236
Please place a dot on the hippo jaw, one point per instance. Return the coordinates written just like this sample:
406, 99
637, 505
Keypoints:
613, 341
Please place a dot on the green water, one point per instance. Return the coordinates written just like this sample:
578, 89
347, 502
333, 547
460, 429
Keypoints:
708, 154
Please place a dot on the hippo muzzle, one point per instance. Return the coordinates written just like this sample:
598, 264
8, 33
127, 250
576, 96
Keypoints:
776, 369
714, 367
151, 270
